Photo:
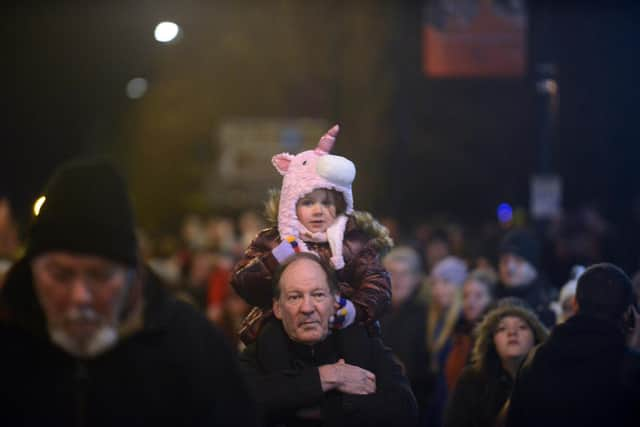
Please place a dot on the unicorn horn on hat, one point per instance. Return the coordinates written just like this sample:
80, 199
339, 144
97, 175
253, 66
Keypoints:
328, 139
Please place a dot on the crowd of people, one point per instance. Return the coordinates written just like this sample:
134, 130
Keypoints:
315, 314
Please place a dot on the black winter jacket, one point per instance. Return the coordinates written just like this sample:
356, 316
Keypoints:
477, 398
404, 330
177, 370
287, 381
583, 375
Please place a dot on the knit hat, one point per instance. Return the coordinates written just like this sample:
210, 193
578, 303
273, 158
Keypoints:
308, 171
452, 269
522, 243
604, 290
87, 210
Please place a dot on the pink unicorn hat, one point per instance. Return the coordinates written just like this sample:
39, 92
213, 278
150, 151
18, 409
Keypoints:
308, 171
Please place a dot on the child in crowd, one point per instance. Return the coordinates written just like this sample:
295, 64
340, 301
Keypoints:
314, 212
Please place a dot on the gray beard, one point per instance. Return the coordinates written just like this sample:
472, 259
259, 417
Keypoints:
104, 339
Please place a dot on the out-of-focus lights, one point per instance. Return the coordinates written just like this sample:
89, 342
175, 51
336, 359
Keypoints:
549, 86
505, 212
166, 31
137, 87
38, 205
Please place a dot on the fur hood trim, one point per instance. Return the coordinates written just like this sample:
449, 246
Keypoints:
484, 356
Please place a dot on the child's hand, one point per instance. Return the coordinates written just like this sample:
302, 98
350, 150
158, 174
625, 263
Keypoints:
288, 247
345, 313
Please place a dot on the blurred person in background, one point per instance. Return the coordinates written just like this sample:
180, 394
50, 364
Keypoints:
443, 312
518, 263
582, 237
565, 306
194, 283
249, 226
193, 237
503, 339
404, 329
164, 261
221, 235
193, 233
436, 248
477, 295
588, 372
218, 287
91, 338
457, 240
233, 311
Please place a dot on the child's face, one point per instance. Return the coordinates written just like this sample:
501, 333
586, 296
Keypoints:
316, 210
513, 338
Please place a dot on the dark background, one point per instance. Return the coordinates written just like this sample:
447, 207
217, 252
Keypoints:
423, 147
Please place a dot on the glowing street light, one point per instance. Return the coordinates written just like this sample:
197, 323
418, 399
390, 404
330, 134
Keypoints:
38, 205
166, 31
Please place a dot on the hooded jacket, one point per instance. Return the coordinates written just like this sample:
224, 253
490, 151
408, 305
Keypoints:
174, 369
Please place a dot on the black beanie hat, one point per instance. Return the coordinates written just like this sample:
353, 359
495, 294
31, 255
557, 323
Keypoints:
522, 243
604, 290
87, 210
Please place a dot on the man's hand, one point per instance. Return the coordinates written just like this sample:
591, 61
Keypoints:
349, 379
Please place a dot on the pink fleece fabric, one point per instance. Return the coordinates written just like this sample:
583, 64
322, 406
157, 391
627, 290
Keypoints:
305, 172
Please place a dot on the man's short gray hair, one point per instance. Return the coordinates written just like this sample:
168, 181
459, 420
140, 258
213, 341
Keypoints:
406, 255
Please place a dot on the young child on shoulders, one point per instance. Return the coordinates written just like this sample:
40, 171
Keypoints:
314, 212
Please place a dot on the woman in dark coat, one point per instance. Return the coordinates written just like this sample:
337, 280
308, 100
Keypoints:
503, 340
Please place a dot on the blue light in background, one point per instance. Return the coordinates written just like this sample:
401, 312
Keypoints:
505, 212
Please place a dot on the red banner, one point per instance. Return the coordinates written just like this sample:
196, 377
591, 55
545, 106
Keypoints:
474, 38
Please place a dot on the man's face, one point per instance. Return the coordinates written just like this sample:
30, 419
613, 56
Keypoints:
515, 270
305, 303
403, 280
82, 296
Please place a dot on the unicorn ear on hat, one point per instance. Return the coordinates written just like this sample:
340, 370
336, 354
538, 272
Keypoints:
282, 162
